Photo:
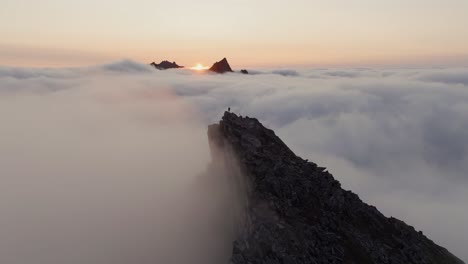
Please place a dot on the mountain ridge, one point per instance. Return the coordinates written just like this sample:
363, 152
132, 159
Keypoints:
298, 213
164, 65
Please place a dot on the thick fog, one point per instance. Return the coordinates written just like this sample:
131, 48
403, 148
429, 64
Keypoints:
100, 164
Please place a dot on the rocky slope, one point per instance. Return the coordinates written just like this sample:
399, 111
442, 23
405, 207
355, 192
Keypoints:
298, 213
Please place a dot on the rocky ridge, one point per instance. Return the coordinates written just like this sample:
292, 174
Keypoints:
164, 65
298, 213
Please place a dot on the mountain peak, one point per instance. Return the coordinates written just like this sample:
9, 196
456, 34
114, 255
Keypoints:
298, 213
164, 65
221, 66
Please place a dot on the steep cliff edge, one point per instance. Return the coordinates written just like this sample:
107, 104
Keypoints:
298, 213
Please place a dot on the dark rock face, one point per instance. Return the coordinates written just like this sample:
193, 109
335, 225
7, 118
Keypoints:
164, 65
244, 71
221, 66
298, 213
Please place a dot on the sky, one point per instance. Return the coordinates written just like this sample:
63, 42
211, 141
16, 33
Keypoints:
374, 90
53, 33
133, 140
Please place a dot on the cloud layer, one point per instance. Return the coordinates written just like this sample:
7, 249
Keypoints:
397, 137
103, 165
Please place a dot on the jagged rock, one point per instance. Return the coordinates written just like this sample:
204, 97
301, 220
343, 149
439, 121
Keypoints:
221, 66
164, 65
244, 71
298, 213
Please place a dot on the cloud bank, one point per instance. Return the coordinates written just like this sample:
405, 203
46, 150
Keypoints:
395, 136
103, 165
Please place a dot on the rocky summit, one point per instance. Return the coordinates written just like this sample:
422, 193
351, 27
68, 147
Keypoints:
164, 65
221, 66
296, 212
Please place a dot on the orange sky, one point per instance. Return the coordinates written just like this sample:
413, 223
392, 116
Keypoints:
302, 32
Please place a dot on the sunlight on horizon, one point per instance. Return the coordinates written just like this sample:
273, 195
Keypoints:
270, 33
199, 67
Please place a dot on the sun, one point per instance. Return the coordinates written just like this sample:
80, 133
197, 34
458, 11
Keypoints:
199, 67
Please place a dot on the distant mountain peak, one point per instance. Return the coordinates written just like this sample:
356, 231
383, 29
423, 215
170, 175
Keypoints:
221, 66
164, 65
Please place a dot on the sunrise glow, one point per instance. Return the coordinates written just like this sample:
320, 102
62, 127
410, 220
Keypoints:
199, 67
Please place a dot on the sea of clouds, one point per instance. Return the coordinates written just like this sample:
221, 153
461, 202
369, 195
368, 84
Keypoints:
95, 162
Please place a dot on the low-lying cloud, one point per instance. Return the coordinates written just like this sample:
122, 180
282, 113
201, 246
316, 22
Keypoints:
103, 166
125, 132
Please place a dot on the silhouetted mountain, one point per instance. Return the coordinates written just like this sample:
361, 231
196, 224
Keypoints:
221, 66
164, 65
298, 213
243, 71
